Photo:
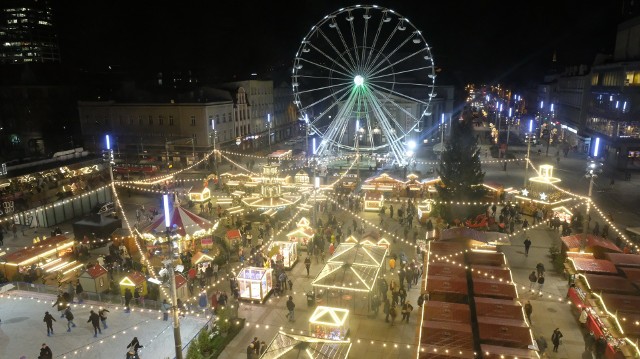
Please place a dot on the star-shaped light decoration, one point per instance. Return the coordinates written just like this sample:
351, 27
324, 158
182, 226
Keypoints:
525, 192
543, 196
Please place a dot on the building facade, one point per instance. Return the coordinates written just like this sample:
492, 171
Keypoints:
570, 98
27, 32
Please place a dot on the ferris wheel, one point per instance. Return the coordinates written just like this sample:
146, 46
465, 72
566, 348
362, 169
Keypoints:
363, 79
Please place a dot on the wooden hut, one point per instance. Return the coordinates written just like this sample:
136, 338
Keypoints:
134, 280
95, 279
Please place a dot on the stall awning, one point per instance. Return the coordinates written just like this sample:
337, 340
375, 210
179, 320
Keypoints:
490, 272
599, 266
498, 308
446, 312
609, 284
494, 289
624, 260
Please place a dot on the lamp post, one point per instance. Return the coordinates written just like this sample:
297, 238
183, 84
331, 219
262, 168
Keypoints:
306, 134
441, 136
215, 158
109, 159
357, 135
592, 172
508, 131
529, 139
174, 296
269, 129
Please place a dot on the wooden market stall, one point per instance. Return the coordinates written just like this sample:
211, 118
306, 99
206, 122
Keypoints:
95, 279
255, 283
498, 308
445, 269
493, 289
303, 233
446, 312
501, 352
133, 280
447, 289
627, 308
632, 274
491, 272
513, 333
51, 254
489, 258
593, 244
199, 193
373, 200
182, 287
622, 260
447, 335
586, 265
201, 261
608, 284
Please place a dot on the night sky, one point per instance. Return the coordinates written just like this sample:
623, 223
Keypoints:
480, 41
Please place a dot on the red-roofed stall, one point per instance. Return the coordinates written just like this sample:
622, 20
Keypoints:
633, 275
493, 289
498, 352
486, 258
46, 250
599, 266
134, 280
490, 272
446, 312
609, 284
498, 308
94, 279
445, 269
447, 289
438, 248
593, 244
504, 332
624, 260
444, 335
182, 289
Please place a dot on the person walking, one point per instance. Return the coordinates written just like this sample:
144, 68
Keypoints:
103, 317
528, 309
49, 319
525, 225
69, 316
393, 312
406, 311
555, 339
135, 345
307, 264
45, 352
542, 345
540, 283
127, 299
533, 279
166, 306
540, 269
61, 303
290, 307
79, 292
94, 318
527, 245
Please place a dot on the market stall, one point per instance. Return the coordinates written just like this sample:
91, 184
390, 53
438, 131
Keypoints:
632, 274
373, 200
182, 290
301, 177
447, 289
51, 255
608, 284
493, 289
442, 248
329, 323
489, 258
498, 308
446, 312
592, 244
447, 335
302, 234
624, 260
512, 333
627, 309
201, 261
562, 213
188, 230
585, 265
445, 269
94, 279
284, 252
491, 272
255, 283
199, 193
292, 346
133, 280
500, 352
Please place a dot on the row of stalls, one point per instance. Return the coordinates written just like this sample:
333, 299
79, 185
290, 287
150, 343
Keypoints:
448, 317
51, 256
376, 189
605, 291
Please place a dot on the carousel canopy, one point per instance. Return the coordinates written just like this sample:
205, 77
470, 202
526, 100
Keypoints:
290, 346
187, 222
351, 277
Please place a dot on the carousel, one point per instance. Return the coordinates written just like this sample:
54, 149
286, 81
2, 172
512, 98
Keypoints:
189, 231
271, 197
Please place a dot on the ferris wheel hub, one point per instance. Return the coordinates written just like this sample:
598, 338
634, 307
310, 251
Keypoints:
358, 80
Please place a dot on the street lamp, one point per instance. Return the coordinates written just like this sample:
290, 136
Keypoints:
108, 157
269, 129
508, 130
441, 136
529, 138
593, 169
174, 296
306, 126
215, 159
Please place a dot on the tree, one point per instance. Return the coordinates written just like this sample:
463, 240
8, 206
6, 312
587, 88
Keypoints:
460, 169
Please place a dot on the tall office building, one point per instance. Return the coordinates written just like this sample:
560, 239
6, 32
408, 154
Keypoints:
27, 32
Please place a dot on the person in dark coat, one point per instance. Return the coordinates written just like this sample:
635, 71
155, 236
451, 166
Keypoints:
527, 245
555, 339
62, 305
135, 345
94, 318
45, 352
79, 292
103, 316
49, 319
127, 299
69, 316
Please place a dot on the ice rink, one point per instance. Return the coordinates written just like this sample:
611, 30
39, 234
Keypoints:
22, 331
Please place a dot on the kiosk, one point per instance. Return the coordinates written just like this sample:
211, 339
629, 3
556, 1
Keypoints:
95, 279
132, 281
287, 252
329, 323
255, 283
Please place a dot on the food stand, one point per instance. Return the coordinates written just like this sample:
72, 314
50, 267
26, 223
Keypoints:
132, 281
255, 283
286, 252
563, 214
199, 193
51, 251
302, 234
302, 177
201, 261
95, 279
182, 290
373, 201
329, 323
592, 244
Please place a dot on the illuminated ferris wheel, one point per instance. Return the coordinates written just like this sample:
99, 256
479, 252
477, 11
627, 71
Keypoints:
363, 79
